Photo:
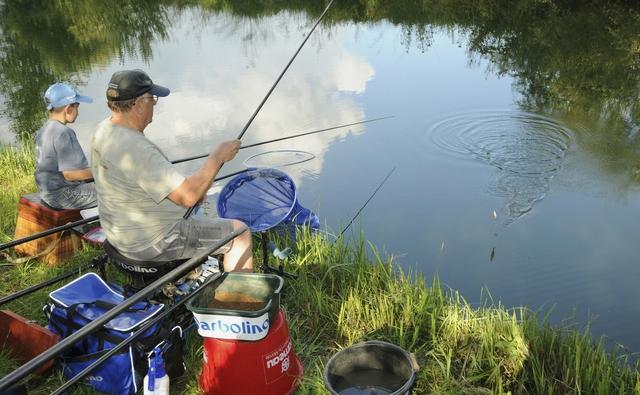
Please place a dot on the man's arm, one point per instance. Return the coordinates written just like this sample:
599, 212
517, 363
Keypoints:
194, 187
78, 175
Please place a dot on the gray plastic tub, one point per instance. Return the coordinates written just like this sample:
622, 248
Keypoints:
237, 306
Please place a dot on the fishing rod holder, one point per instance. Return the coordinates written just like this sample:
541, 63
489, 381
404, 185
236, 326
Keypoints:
265, 267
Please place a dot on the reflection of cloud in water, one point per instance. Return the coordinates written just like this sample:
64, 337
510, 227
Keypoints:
527, 149
210, 103
6, 136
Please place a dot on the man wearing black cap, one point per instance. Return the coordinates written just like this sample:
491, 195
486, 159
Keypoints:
142, 197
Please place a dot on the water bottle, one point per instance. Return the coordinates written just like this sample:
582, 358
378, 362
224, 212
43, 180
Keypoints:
156, 382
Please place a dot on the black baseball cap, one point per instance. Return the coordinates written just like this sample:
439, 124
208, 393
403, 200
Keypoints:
129, 84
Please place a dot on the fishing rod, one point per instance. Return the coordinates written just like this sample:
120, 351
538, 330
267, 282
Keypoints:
264, 100
48, 232
284, 71
33, 288
290, 137
71, 225
69, 341
368, 200
95, 218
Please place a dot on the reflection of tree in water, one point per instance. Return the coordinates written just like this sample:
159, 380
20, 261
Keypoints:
576, 61
47, 41
527, 150
581, 57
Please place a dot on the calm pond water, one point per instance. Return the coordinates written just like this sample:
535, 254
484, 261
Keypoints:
514, 132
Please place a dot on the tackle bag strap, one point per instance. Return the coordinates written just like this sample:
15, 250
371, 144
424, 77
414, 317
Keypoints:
90, 357
107, 305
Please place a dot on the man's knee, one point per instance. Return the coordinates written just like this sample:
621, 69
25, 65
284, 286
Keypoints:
238, 225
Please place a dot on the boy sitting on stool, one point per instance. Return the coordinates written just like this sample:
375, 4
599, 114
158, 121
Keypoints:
62, 170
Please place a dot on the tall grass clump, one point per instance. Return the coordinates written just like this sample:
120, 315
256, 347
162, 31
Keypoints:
16, 178
565, 360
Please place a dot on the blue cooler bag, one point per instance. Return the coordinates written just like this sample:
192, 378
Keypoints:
85, 299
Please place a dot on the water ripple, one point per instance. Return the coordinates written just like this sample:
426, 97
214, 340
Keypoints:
527, 150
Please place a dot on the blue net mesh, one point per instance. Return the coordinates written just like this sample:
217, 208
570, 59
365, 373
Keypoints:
262, 199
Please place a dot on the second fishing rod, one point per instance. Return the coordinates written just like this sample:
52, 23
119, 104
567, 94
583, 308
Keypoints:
264, 100
72, 225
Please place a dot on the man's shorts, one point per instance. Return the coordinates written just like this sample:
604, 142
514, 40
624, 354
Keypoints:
80, 196
187, 238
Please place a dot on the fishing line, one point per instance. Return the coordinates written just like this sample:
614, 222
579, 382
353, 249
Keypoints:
367, 202
288, 137
278, 158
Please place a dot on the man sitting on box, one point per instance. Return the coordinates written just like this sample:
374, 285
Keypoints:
62, 170
143, 197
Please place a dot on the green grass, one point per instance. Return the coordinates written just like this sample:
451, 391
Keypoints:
346, 293
16, 178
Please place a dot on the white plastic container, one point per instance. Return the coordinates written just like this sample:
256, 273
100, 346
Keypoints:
156, 382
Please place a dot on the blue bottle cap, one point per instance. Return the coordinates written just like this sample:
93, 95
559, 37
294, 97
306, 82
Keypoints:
160, 372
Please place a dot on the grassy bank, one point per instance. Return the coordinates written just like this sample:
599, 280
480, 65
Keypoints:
346, 293
16, 179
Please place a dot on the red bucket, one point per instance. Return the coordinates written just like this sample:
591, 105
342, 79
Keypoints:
268, 366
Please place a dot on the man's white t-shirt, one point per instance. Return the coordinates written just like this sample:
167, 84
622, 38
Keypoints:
133, 178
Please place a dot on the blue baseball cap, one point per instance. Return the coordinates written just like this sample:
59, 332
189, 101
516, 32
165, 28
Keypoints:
60, 95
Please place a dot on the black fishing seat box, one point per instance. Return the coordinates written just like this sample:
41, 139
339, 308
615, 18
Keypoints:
142, 272
35, 216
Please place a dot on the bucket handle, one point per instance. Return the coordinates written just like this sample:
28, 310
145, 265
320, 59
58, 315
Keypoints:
414, 362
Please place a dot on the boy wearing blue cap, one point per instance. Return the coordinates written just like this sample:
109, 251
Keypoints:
62, 170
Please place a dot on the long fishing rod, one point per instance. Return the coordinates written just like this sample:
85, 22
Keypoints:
289, 137
48, 232
33, 288
284, 71
264, 100
71, 225
368, 200
69, 341
95, 218
70, 273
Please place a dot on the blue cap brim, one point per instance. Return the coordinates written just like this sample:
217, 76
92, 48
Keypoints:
83, 99
160, 91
